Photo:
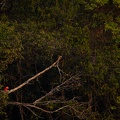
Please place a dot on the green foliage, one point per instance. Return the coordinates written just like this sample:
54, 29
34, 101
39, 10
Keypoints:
117, 2
10, 45
3, 103
94, 4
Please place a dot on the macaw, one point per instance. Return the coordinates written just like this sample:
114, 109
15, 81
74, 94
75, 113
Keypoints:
6, 89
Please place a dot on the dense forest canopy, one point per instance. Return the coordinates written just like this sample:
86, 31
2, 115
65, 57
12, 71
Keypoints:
86, 33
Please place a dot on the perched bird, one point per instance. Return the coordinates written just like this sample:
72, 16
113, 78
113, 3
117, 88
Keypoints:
6, 89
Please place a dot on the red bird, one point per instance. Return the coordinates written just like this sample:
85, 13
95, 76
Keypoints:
6, 88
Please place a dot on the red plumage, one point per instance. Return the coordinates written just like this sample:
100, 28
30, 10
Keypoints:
6, 88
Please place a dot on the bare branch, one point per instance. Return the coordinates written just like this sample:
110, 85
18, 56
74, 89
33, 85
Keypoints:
31, 111
36, 107
54, 89
32, 78
75, 107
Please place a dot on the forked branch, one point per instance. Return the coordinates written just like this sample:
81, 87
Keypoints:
37, 75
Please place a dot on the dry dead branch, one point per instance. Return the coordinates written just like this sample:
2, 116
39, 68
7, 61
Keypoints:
38, 103
61, 86
37, 75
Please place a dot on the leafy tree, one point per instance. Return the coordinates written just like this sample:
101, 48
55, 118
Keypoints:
86, 33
